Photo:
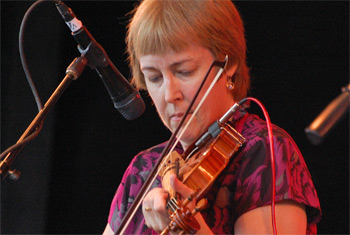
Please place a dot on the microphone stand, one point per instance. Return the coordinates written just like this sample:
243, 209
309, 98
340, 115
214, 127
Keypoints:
325, 121
72, 73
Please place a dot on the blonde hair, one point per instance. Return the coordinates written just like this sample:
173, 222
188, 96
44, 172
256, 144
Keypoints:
160, 25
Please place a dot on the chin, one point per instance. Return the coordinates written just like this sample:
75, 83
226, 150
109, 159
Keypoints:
191, 134
189, 138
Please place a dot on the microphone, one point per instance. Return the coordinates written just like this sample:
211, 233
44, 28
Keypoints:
125, 97
328, 117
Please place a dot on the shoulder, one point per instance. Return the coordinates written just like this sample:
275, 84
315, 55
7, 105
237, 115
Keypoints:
293, 180
257, 144
146, 159
255, 127
256, 155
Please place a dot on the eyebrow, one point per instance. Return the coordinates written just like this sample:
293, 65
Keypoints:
171, 65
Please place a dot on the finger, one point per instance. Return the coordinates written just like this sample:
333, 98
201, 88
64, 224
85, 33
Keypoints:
154, 209
179, 187
155, 201
146, 205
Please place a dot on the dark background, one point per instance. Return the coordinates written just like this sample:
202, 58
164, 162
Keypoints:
298, 53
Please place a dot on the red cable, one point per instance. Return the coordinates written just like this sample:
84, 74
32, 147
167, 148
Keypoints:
272, 153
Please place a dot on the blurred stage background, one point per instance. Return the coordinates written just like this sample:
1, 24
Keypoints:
298, 53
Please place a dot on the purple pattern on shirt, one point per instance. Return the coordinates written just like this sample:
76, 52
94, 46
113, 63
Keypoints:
245, 183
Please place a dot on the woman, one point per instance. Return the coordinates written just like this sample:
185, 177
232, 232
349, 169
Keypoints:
171, 45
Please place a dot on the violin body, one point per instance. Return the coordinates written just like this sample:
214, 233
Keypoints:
198, 172
207, 167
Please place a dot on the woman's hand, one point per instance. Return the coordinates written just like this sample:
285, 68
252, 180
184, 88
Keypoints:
155, 211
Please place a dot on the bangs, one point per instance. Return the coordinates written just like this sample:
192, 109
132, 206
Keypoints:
155, 37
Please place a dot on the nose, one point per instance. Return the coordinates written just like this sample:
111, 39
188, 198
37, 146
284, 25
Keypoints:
172, 88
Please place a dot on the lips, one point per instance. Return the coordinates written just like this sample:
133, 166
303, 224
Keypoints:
178, 116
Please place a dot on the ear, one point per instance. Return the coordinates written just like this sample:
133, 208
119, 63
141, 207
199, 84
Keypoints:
230, 77
231, 71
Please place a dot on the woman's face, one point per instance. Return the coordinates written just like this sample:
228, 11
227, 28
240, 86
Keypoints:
172, 80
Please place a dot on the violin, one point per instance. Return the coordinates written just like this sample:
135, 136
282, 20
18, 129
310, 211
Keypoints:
198, 172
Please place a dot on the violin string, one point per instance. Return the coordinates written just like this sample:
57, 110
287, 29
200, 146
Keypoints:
191, 153
173, 204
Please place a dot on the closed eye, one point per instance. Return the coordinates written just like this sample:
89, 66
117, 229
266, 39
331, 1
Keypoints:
155, 79
185, 73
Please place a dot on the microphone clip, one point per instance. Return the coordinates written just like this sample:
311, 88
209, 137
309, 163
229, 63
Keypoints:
95, 54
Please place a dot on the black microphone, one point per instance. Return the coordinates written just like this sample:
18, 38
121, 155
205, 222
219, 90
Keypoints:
324, 122
125, 97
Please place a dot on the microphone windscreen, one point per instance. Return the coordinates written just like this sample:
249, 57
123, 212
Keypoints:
132, 107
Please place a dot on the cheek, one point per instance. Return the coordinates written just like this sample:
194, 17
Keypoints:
157, 98
188, 92
217, 103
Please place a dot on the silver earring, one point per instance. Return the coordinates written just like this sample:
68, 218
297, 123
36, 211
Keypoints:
230, 85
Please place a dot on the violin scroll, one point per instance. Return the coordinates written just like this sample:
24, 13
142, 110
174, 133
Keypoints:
183, 219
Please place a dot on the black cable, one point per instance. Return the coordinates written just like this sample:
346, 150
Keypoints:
22, 54
23, 142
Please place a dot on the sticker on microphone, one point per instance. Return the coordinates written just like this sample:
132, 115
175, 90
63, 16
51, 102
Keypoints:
74, 25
